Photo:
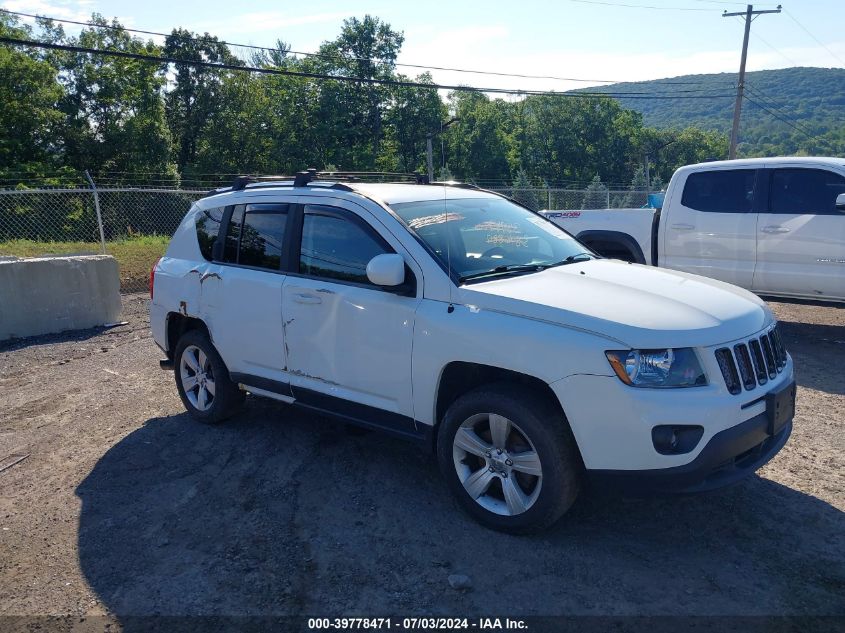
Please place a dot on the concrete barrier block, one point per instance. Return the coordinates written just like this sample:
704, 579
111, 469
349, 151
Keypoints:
44, 295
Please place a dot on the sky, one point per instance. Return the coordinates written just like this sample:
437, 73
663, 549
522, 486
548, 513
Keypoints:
588, 39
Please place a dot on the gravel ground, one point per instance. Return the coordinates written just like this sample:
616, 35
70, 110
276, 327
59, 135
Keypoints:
125, 506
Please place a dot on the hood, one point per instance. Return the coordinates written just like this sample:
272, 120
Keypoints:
641, 306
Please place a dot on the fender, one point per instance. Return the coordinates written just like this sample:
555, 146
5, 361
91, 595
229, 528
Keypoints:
623, 239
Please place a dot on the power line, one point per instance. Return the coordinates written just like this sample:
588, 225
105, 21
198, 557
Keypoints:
773, 106
788, 122
795, 124
320, 55
342, 78
819, 42
637, 6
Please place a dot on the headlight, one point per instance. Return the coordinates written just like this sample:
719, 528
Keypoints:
658, 367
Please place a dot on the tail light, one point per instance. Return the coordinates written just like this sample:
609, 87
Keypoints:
153, 277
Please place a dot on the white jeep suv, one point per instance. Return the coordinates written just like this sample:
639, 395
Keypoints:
454, 317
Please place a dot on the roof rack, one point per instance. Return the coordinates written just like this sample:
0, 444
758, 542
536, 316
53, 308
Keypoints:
304, 178
455, 184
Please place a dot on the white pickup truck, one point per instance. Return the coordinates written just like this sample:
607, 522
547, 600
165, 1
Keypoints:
775, 226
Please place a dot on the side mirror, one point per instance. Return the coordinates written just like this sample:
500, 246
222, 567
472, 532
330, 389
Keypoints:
840, 202
386, 270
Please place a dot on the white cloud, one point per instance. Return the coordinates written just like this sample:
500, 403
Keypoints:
67, 9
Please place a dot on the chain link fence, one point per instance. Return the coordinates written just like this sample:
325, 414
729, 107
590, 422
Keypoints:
130, 223
134, 224
572, 199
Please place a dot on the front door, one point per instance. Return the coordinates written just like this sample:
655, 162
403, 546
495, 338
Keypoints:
711, 230
348, 341
801, 235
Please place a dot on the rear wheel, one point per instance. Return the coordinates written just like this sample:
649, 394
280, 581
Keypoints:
509, 458
203, 380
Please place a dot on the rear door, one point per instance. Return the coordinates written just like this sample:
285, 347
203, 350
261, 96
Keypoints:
801, 235
710, 228
241, 294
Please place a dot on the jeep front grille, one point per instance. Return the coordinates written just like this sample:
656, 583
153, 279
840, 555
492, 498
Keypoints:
753, 362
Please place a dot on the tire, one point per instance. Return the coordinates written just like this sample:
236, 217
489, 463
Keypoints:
537, 438
212, 398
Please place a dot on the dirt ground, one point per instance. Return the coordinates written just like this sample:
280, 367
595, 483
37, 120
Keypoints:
125, 507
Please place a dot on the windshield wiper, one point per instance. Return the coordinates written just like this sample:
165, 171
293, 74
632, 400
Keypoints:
505, 270
577, 257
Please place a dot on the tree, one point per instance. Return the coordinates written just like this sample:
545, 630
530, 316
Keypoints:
524, 192
478, 145
636, 196
197, 89
413, 114
350, 116
112, 106
29, 96
595, 196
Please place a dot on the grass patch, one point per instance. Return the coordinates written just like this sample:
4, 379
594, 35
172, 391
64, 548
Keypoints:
135, 255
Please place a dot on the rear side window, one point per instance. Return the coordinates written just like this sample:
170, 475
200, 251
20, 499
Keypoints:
335, 245
721, 191
208, 225
805, 191
256, 235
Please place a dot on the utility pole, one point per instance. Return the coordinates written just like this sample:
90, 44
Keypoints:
749, 14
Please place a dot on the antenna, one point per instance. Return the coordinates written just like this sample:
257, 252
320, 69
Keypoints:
451, 307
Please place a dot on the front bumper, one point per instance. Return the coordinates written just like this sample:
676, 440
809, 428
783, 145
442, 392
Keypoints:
728, 457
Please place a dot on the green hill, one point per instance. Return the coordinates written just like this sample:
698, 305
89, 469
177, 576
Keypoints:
789, 111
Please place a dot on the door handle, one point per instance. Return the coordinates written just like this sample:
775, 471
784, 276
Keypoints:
683, 227
774, 228
306, 298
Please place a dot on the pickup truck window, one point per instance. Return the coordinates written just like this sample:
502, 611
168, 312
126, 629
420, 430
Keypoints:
720, 191
478, 235
336, 246
805, 191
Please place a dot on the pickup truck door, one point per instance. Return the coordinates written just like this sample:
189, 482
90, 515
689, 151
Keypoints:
349, 342
709, 227
801, 235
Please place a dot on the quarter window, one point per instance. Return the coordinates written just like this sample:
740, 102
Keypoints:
720, 191
335, 245
208, 226
805, 191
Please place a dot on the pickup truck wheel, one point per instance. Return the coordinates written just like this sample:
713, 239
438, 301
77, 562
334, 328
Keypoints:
509, 458
203, 380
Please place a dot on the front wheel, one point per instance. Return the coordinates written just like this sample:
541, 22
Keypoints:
509, 458
203, 380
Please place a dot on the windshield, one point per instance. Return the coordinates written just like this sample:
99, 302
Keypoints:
489, 236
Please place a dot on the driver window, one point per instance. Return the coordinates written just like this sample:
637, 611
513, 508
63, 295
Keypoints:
337, 245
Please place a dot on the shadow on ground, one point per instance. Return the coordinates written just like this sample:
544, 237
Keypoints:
282, 513
819, 354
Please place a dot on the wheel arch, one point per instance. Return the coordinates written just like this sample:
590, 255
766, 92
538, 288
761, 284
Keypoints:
616, 239
177, 325
460, 377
